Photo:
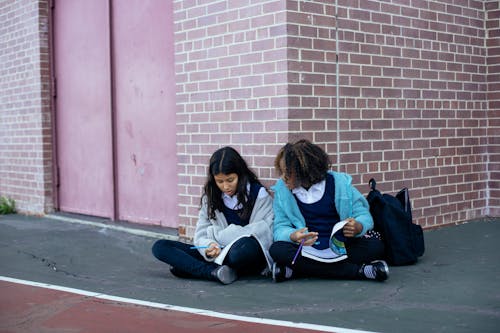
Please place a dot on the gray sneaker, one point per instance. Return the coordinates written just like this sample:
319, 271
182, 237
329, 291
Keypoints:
224, 274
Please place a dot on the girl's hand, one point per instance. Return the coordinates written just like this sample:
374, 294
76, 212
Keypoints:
299, 235
213, 250
352, 228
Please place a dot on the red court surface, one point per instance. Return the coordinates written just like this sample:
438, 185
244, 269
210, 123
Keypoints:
28, 308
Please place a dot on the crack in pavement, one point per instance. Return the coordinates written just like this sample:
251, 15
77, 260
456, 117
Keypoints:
49, 263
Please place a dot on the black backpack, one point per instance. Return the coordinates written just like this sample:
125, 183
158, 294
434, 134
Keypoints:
403, 240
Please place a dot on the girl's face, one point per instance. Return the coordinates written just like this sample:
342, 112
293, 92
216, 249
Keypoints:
228, 184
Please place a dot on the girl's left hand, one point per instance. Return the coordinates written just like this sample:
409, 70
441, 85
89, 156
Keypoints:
352, 228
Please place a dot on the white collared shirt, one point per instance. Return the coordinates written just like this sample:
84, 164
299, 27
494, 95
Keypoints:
314, 194
231, 202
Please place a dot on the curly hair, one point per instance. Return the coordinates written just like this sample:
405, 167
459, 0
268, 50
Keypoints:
227, 160
303, 161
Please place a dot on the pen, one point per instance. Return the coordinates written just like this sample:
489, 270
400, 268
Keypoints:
298, 250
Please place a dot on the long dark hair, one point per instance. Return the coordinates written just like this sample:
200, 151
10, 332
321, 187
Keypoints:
304, 161
226, 161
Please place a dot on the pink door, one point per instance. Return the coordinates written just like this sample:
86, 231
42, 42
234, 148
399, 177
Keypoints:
84, 149
145, 104
121, 86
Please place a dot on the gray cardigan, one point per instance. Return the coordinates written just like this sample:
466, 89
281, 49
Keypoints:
217, 230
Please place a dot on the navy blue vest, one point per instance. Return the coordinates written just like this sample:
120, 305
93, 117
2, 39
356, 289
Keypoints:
321, 216
232, 215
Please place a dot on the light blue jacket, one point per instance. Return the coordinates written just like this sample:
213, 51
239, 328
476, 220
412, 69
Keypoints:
348, 201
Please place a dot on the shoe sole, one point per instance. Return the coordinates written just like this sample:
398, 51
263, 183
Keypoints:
273, 272
275, 278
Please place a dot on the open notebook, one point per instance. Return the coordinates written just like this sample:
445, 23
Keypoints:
336, 251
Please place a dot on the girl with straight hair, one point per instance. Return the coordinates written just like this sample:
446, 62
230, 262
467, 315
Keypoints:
234, 229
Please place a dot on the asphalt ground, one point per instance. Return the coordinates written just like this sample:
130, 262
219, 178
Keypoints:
455, 286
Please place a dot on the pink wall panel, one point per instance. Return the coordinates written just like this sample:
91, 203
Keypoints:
81, 41
145, 111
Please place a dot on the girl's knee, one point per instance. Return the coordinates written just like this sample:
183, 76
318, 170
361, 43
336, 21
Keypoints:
273, 250
245, 250
280, 251
155, 248
159, 247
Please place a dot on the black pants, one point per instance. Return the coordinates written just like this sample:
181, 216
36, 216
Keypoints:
359, 251
245, 256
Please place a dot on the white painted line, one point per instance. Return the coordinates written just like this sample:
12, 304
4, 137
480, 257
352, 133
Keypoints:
137, 232
200, 312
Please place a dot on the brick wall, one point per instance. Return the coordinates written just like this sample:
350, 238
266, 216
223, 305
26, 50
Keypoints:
313, 73
493, 78
25, 118
413, 102
231, 74
406, 102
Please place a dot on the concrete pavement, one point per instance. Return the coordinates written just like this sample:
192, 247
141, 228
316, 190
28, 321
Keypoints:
455, 287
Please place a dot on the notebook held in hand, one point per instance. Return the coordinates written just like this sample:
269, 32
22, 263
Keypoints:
336, 251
